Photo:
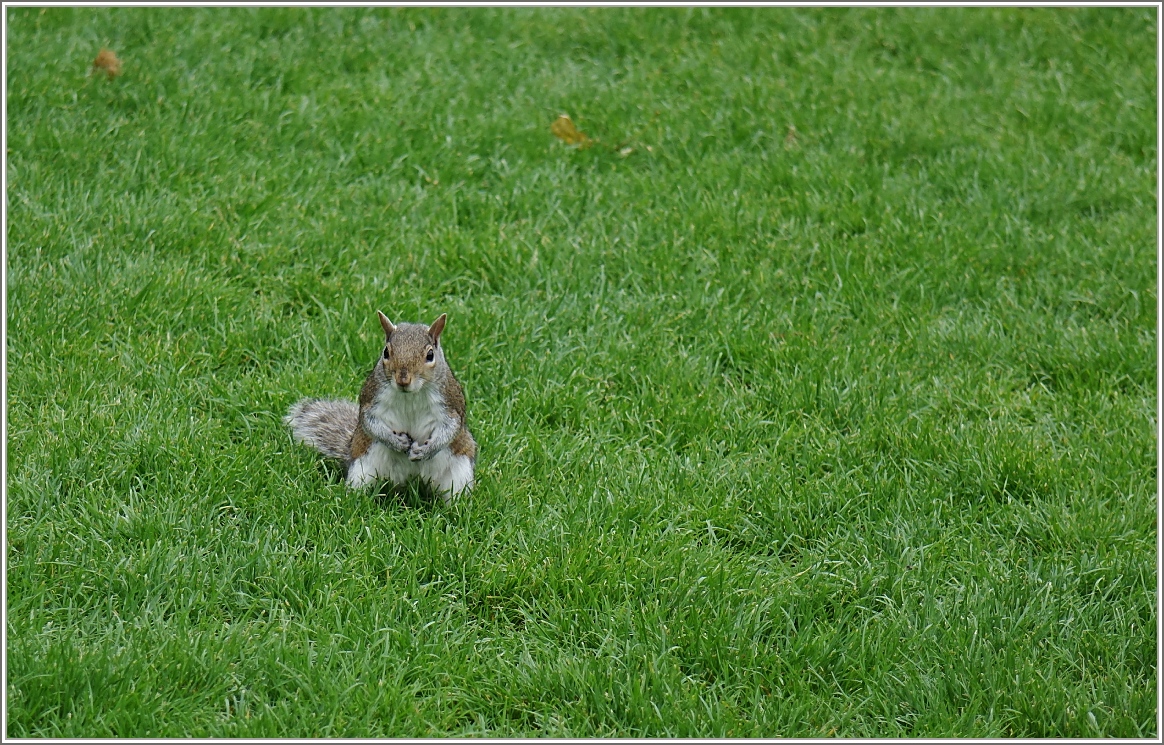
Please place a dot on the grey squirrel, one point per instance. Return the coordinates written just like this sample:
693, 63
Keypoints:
409, 422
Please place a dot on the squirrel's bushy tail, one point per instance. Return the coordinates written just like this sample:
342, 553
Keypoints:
326, 425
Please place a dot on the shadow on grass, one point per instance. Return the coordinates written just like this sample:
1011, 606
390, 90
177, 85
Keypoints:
415, 495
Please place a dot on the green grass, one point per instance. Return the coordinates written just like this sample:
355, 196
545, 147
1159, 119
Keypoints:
827, 410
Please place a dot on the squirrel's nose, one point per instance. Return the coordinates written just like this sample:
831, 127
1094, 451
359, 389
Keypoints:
403, 378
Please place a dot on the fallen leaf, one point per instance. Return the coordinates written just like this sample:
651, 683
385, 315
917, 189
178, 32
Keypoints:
564, 129
790, 138
108, 62
626, 151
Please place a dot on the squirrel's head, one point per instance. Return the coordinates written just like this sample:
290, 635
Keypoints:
412, 352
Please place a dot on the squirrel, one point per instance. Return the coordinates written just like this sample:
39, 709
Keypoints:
409, 422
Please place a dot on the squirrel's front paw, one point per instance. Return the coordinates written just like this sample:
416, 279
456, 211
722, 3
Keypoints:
419, 451
399, 441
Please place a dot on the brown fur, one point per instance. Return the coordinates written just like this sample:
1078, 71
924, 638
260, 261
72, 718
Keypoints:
368, 391
463, 444
361, 441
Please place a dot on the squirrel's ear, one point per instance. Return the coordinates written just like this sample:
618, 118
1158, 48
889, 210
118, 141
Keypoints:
388, 327
437, 327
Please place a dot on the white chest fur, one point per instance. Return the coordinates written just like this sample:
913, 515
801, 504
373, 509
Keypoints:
417, 413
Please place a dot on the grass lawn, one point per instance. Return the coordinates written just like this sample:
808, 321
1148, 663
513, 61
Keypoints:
817, 397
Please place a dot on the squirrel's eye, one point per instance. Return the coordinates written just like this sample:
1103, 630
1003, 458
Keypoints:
430, 356
386, 350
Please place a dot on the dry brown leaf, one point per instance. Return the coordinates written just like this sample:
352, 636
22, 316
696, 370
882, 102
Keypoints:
564, 129
108, 62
